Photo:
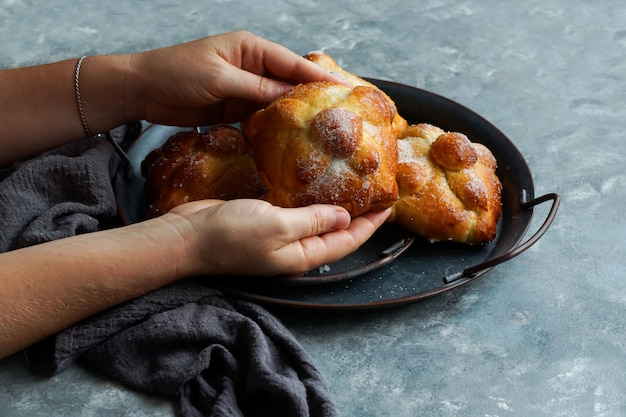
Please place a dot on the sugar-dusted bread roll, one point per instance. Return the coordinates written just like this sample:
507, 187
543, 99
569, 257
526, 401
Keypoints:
328, 63
216, 164
448, 186
327, 143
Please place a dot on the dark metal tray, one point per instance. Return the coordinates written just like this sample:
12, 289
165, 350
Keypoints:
393, 267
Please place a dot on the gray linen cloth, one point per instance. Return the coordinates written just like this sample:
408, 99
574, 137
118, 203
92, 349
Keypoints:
216, 356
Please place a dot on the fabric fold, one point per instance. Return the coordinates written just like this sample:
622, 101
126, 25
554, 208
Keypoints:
64, 192
217, 356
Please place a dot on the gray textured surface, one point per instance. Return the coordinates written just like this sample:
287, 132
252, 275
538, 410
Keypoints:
542, 335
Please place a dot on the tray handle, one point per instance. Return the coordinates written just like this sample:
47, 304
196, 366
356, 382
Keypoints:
490, 263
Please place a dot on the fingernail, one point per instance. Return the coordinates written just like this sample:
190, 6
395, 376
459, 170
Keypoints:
342, 220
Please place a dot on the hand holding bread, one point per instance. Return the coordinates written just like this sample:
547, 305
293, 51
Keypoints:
347, 145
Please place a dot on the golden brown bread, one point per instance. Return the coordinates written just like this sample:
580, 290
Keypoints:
216, 164
448, 186
339, 144
327, 143
328, 63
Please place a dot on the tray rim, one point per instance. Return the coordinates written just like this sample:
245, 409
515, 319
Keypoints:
388, 87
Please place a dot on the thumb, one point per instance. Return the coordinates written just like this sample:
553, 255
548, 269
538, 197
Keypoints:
255, 88
334, 235
317, 219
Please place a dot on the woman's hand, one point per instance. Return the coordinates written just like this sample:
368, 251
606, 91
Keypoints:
217, 79
47, 287
254, 237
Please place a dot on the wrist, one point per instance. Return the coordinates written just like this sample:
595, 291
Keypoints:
133, 88
110, 93
170, 238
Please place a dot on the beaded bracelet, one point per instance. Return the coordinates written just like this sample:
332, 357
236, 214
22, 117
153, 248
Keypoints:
78, 99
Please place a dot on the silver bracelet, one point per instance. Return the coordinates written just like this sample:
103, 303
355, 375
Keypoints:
78, 100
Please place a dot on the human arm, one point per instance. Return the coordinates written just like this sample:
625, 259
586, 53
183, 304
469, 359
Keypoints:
47, 287
214, 79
